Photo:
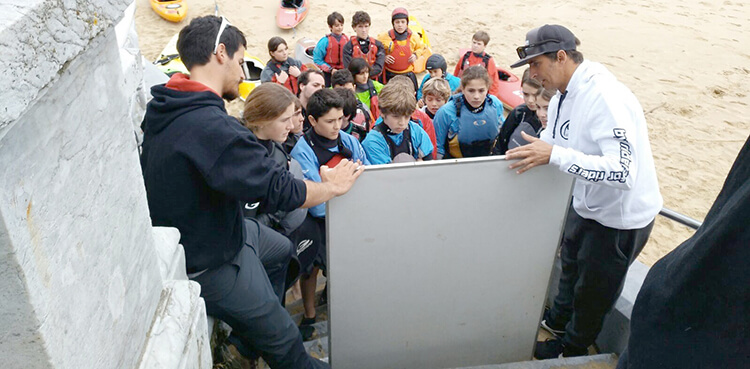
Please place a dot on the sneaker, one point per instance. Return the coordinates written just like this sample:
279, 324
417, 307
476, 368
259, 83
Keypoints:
554, 348
555, 329
306, 328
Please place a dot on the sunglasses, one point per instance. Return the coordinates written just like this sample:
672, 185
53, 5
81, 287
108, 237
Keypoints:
522, 51
224, 24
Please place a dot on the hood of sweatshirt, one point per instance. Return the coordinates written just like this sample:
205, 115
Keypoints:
178, 96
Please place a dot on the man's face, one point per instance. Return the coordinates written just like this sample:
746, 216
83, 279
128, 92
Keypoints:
361, 77
436, 73
477, 47
234, 75
400, 25
362, 30
397, 123
433, 103
548, 72
475, 92
529, 96
281, 54
329, 124
314, 83
337, 28
298, 121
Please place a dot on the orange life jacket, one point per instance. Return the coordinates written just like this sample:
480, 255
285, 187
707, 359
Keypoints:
372, 54
291, 82
334, 53
401, 51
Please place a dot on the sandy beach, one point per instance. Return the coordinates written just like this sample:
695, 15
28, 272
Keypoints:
688, 62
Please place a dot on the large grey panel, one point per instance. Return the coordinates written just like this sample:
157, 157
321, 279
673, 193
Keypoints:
442, 264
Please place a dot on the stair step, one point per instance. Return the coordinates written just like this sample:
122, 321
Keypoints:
602, 361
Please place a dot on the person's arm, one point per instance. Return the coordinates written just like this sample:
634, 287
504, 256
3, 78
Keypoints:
319, 54
441, 123
492, 70
612, 129
377, 67
376, 148
421, 140
418, 47
346, 54
266, 75
334, 182
457, 69
419, 90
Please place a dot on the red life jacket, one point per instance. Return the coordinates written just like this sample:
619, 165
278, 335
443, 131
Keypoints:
465, 62
374, 109
335, 51
401, 52
291, 82
372, 54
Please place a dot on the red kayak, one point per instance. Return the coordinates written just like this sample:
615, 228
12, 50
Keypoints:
510, 85
291, 13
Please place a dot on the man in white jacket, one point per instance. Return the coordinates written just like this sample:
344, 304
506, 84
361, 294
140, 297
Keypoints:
596, 132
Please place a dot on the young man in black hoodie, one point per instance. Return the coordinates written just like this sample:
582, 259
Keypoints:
199, 166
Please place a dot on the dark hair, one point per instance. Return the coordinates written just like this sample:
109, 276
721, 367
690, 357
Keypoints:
304, 78
360, 17
333, 17
274, 43
574, 55
482, 36
322, 101
527, 80
196, 41
350, 101
475, 72
341, 77
548, 94
357, 65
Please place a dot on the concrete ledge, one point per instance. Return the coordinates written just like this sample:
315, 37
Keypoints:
582, 362
177, 337
170, 252
38, 38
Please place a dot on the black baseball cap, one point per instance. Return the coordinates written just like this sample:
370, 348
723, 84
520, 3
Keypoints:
545, 39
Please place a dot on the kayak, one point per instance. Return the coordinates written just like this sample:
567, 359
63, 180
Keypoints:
511, 94
416, 28
171, 10
170, 63
303, 50
289, 17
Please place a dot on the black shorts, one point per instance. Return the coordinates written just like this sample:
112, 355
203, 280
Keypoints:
310, 243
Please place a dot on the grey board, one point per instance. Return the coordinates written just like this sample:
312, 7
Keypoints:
442, 264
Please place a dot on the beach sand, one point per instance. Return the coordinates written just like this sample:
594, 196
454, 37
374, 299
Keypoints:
687, 62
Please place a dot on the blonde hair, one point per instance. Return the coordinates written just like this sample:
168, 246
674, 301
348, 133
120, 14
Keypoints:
264, 104
397, 99
437, 87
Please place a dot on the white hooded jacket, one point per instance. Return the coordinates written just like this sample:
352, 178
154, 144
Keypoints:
599, 135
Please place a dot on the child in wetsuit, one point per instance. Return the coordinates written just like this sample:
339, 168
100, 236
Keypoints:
328, 53
359, 117
363, 46
281, 68
522, 118
402, 48
366, 89
477, 56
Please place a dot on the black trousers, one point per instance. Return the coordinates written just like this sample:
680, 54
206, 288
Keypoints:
595, 260
246, 293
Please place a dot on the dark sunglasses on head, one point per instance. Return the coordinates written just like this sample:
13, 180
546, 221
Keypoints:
522, 50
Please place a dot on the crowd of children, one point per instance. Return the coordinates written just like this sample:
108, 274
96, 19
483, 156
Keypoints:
360, 100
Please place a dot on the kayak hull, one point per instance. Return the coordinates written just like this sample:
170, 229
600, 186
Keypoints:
288, 18
173, 11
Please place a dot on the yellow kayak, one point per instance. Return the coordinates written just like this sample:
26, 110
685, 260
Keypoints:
171, 10
416, 27
170, 63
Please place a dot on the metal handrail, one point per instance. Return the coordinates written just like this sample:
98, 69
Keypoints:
680, 218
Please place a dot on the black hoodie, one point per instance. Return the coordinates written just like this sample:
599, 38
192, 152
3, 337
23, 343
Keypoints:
199, 165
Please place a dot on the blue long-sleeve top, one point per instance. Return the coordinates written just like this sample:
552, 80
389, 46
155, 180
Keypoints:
447, 120
377, 149
304, 154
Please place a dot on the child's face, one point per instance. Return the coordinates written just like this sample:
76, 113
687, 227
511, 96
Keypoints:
541, 110
477, 47
475, 92
433, 103
397, 123
530, 95
337, 28
400, 25
329, 124
281, 53
298, 121
362, 30
278, 129
436, 73
362, 77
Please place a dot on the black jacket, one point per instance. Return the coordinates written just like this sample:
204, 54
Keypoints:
521, 117
200, 165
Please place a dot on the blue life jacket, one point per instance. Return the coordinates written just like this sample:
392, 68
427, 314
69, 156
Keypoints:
475, 132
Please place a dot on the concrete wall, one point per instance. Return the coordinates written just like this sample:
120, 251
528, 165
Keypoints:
83, 283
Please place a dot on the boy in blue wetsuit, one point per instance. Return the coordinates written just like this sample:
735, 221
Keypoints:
320, 148
437, 67
395, 137
467, 125
328, 53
